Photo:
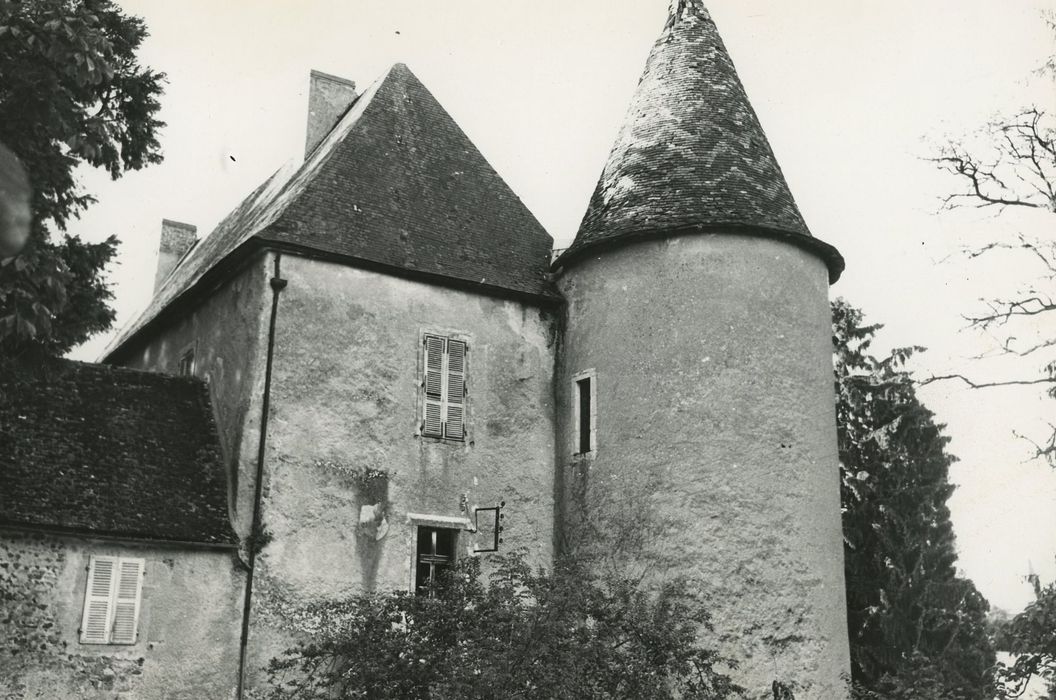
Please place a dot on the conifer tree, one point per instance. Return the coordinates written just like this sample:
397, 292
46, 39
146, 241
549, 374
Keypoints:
913, 622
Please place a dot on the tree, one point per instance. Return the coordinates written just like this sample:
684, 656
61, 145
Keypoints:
1011, 165
1031, 636
72, 93
520, 634
914, 624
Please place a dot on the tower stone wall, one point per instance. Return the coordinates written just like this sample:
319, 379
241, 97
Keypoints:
716, 451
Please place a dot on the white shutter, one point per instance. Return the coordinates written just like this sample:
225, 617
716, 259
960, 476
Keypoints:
126, 601
433, 385
456, 390
95, 623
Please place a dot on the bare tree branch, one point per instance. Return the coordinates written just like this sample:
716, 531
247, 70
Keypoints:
985, 385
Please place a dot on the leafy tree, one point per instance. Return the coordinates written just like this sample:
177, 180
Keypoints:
72, 92
1031, 636
914, 623
519, 634
1011, 165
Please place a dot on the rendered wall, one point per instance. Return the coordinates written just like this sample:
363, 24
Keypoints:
716, 455
345, 461
189, 623
228, 333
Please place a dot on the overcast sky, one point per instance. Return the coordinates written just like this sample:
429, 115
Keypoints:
852, 96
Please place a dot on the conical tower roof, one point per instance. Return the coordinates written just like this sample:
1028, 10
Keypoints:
691, 154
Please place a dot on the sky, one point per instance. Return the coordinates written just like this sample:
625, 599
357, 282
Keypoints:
854, 96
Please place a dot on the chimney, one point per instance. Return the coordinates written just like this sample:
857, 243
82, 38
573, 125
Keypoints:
329, 97
176, 240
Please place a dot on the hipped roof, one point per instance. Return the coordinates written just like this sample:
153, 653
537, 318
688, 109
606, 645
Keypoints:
396, 185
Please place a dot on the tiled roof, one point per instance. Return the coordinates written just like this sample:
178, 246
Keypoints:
93, 449
396, 184
691, 153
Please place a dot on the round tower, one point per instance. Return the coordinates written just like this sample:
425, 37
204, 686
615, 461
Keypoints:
695, 374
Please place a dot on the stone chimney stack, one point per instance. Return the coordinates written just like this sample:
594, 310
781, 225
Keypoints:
329, 97
176, 239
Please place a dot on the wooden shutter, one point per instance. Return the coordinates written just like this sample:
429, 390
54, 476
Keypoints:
126, 601
433, 383
95, 623
454, 425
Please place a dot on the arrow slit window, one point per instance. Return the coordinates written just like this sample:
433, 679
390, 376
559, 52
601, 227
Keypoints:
444, 388
585, 413
111, 600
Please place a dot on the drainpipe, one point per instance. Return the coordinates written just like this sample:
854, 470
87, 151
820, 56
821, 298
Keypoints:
277, 285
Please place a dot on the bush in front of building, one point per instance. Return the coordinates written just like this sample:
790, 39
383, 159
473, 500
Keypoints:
515, 633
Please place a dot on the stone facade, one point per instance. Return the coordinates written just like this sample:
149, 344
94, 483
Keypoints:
226, 335
189, 622
716, 452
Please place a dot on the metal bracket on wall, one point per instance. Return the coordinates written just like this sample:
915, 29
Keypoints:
489, 518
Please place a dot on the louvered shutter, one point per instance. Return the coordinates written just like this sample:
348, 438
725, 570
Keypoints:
95, 623
126, 601
454, 424
433, 383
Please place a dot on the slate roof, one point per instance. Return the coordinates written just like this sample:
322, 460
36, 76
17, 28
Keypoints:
691, 153
396, 185
93, 449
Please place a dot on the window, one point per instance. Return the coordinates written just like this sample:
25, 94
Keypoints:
444, 388
111, 600
585, 413
436, 553
185, 368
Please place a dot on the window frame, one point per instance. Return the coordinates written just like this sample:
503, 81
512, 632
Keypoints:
459, 524
112, 599
577, 422
191, 351
424, 399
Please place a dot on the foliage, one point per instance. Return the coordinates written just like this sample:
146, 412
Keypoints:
518, 633
1031, 636
913, 622
71, 92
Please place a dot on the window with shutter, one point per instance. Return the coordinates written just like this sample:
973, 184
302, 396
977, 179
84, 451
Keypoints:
112, 600
444, 388
95, 624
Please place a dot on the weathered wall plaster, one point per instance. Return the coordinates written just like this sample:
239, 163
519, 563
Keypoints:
716, 442
345, 461
189, 623
228, 333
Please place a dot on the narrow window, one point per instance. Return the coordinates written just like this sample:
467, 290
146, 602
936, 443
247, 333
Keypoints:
444, 388
112, 600
585, 413
436, 554
185, 368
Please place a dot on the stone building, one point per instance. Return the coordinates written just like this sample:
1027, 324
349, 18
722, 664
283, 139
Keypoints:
119, 573
400, 376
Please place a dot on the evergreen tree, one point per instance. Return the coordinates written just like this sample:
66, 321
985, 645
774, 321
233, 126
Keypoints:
913, 622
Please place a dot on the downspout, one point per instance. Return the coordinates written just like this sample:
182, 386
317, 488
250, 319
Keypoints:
277, 285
